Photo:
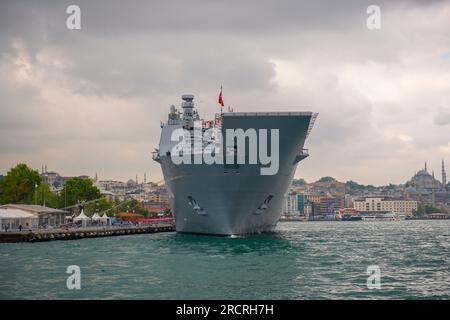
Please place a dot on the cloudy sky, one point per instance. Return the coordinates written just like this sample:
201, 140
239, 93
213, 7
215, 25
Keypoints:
91, 100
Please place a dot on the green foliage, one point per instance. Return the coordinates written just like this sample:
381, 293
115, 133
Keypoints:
134, 206
352, 185
299, 182
79, 189
43, 196
426, 209
98, 206
327, 179
18, 185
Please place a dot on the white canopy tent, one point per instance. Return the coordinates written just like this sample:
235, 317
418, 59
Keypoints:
83, 218
105, 219
13, 218
96, 217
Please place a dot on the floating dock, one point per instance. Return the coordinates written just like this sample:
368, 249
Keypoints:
80, 233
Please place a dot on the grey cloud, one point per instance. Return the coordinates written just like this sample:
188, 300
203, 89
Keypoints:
138, 67
102, 91
442, 118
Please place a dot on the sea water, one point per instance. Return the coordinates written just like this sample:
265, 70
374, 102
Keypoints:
301, 260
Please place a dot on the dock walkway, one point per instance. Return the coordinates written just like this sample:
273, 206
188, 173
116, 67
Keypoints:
80, 233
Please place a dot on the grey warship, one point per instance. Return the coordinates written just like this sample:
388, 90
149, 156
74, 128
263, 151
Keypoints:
230, 199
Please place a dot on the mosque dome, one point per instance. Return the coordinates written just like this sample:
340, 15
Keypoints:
423, 182
131, 183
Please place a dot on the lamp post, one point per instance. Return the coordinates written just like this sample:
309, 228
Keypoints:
65, 195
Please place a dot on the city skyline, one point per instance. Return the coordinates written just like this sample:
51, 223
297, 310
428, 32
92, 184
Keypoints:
92, 99
143, 177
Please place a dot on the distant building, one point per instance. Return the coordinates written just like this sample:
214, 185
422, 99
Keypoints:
312, 198
157, 207
318, 207
299, 204
348, 201
329, 205
158, 196
54, 180
108, 195
423, 182
301, 201
377, 203
291, 204
438, 216
444, 177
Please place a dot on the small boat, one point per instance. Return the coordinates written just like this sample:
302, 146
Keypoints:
388, 216
351, 218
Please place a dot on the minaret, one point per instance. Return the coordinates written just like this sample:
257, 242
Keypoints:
42, 171
96, 177
433, 191
45, 168
426, 166
136, 180
145, 177
444, 177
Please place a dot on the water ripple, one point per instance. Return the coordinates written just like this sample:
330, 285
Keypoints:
323, 260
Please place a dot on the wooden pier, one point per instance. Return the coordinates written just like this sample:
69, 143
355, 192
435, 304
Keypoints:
80, 233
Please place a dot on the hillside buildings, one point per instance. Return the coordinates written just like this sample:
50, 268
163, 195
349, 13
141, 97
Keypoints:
325, 198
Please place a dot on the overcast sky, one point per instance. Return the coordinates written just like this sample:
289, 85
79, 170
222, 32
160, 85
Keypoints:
91, 100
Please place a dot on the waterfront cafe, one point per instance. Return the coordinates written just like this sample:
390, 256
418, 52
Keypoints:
11, 219
47, 216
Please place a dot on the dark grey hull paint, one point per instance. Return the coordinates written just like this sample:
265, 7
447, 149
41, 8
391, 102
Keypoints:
230, 196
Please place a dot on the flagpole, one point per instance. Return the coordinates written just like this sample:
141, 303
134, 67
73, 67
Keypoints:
221, 107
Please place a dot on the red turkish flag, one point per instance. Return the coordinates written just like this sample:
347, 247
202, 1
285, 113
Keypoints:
220, 98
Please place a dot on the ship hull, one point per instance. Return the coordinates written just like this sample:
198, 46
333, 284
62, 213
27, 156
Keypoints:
229, 201
221, 199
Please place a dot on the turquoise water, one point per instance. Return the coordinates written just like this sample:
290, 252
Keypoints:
314, 260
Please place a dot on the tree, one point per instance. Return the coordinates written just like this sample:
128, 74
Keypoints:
299, 182
79, 189
98, 206
327, 179
133, 206
424, 209
43, 196
430, 209
352, 185
18, 185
